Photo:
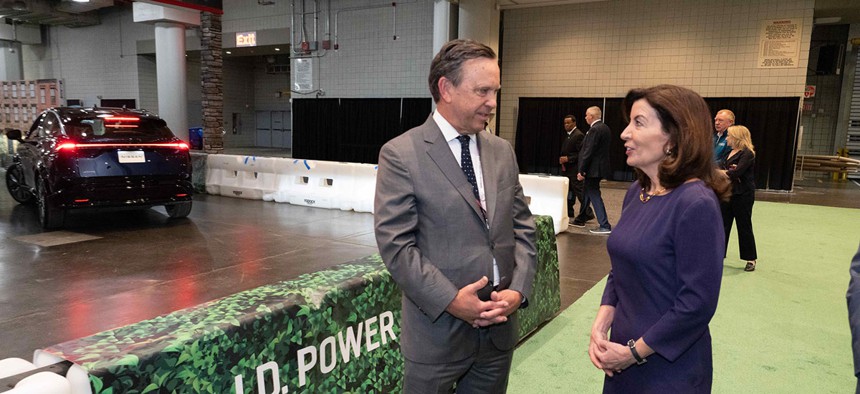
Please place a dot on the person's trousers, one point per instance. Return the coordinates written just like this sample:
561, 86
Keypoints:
484, 372
575, 192
739, 209
592, 196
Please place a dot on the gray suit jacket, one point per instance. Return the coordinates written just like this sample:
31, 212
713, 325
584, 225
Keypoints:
433, 238
853, 296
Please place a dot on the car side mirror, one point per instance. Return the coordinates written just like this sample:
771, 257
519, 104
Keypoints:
13, 134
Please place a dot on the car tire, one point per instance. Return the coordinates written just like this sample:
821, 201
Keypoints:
49, 217
178, 210
15, 185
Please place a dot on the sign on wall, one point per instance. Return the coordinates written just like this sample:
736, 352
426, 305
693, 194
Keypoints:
246, 39
809, 92
304, 77
779, 43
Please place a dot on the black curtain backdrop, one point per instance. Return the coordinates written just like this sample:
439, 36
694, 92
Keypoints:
315, 133
415, 113
540, 130
613, 116
352, 130
772, 122
773, 126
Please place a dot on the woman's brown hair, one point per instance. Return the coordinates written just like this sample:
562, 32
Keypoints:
686, 118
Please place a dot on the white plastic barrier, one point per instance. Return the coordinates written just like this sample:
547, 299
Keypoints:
548, 196
79, 379
240, 176
14, 366
323, 184
42, 383
216, 170
345, 186
76, 380
365, 187
287, 179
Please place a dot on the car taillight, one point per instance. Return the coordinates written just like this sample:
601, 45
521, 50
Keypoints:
71, 146
122, 118
67, 146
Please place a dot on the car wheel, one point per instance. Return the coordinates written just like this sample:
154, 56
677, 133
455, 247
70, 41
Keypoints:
49, 216
15, 184
179, 210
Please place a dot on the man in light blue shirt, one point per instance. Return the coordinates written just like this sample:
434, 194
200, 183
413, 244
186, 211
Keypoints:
722, 121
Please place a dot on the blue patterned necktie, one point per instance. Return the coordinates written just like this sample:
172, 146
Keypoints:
466, 164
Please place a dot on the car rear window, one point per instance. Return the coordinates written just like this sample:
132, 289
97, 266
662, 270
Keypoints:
117, 127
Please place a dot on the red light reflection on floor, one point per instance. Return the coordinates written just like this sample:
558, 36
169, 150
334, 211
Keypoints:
79, 312
183, 291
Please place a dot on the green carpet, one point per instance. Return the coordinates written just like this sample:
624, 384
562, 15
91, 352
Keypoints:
780, 329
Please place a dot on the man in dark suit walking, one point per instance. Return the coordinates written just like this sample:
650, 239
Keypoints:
454, 230
569, 161
594, 166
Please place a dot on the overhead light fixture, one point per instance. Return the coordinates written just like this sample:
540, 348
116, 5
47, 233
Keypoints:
229, 53
828, 20
277, 49
81, 1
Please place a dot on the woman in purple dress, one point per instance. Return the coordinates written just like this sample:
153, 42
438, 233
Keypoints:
651, 331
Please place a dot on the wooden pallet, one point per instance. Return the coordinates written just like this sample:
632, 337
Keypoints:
827, 163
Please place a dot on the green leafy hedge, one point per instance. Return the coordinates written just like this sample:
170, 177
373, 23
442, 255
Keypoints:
545, 300
202, 349
268, 332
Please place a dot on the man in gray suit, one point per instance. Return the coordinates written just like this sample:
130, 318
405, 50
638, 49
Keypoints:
853, 296
454, 230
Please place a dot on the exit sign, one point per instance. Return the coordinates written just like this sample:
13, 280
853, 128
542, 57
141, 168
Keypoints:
246, 39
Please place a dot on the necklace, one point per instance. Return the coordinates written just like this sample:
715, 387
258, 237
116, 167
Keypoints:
644, 197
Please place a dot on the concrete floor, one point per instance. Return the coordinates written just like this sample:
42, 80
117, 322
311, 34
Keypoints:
106, 270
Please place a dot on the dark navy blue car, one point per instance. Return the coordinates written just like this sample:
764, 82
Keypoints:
75, 158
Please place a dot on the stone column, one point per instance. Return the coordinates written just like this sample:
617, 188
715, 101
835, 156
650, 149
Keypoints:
211, 76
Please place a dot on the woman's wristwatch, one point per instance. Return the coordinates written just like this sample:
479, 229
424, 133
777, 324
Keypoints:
632, 345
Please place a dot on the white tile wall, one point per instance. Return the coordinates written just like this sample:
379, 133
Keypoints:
604, 49
239, 96
92, 61
148, 83
580, 50
369, 61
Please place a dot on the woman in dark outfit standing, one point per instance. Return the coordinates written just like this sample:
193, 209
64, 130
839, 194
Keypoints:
740, 169
666, 251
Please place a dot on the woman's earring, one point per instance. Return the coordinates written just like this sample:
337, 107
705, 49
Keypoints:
668, 151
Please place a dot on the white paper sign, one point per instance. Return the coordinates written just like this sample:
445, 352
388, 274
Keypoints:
304, 77
779, 43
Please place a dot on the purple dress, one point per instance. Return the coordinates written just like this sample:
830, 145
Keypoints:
667, 263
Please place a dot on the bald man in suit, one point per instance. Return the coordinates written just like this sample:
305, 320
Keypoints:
454, 230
